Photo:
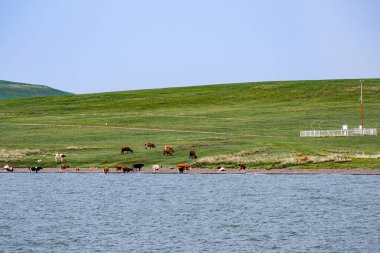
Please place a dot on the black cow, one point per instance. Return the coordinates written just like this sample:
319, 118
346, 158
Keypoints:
126, 149
137, 166
192, 154
35, 169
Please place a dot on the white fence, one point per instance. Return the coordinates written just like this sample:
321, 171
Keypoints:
337, 133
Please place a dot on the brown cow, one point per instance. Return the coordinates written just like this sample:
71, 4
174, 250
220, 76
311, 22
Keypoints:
168, 147
125, 169
64, 167
106, 170
149, 145
242, 166
118, 168
192, 154
167, 152
126, 149
182, 166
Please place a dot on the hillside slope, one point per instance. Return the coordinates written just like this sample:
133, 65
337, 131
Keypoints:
256, 123
9, 90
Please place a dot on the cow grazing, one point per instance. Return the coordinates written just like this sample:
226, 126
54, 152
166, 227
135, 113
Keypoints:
60, 157
167, 152
8, 168
149, 145
126, 150
118, 168
77, 169
35, 169
242, 166
168, 147
192, 154
106, 170
156, 168
125, 169
64, 167
137, 166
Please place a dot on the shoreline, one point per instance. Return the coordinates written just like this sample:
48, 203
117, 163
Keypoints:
210, 171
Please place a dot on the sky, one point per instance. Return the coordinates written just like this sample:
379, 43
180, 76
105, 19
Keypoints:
88, 46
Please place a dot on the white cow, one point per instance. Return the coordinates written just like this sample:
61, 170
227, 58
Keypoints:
59, 156
156, 168
8, 168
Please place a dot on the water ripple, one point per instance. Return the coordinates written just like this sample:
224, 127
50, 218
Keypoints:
189, 213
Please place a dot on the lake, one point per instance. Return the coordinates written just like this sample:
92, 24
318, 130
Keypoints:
55, 212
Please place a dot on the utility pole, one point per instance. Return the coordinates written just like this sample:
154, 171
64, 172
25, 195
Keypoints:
361, 107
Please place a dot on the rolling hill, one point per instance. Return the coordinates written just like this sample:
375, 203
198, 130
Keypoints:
9, 90
256, 123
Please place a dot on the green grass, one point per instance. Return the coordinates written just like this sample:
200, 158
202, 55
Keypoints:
9, 90
256, 123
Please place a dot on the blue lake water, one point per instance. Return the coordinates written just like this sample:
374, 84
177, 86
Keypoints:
189, 213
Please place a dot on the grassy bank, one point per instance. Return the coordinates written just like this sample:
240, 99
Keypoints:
256, 123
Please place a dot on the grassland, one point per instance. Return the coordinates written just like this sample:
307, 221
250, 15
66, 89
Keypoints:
256, 123
22, 90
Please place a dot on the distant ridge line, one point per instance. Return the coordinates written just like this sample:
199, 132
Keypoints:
14, 90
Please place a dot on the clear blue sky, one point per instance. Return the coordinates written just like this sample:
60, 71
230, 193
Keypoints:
86, 46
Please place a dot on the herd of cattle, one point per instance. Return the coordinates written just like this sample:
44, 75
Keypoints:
167, 151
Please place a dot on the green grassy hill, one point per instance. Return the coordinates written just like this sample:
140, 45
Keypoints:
9, 90
256, 123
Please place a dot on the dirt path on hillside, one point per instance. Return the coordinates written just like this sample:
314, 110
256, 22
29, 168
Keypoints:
146, 129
